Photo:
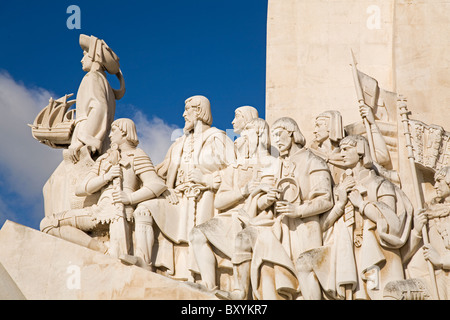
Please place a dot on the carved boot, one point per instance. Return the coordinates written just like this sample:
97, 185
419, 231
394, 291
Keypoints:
241, 277
144, 240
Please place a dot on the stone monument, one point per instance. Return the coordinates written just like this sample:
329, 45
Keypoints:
354, 204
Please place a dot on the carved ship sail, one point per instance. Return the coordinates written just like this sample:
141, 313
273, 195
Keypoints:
54, 125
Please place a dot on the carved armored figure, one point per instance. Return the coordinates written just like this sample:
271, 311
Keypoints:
124, 176
436, 218
369, 224
191, 172
213, 241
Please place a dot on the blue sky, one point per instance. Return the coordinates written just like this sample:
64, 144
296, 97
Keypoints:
169, 50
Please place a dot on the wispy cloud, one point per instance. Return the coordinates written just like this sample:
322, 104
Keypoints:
26, 165
155, 135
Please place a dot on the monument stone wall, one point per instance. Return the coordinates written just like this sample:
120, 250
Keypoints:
403, 44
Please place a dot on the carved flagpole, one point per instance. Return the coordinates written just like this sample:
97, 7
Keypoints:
360, 96
403, 108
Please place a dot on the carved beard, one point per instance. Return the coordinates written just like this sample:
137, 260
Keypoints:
188, 126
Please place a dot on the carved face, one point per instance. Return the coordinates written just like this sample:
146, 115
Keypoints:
116, 136
238, 122
190, 115
350, 155
321, 129
442, 188
86, 62
282, 139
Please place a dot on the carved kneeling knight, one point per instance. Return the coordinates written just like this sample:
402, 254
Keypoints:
124, 176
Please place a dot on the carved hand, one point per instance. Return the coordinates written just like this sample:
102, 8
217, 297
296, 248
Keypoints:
343, 189
420, 219
286, 208
272, 195
113, 172
356, 198
74, 152
120, 196
196, 176
171, 195
251, 186
432, 255
366, 112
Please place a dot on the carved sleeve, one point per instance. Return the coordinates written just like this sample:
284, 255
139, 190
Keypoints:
152, 185
227, 195
320, 198
142, 163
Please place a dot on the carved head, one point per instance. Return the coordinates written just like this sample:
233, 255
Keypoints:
285, 132
442, 182
355, 149
196, 108
243, 115
96, 50
258, 137
124, 130
329, 125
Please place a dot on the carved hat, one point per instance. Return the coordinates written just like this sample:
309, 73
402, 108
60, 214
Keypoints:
443, 173
362, 147
335, 128
99, 51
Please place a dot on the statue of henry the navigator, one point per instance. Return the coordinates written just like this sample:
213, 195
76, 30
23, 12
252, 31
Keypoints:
95, 110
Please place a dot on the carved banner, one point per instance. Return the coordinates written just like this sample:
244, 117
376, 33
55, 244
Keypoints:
430, 145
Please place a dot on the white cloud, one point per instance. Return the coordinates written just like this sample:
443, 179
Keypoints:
25, 164
155, 136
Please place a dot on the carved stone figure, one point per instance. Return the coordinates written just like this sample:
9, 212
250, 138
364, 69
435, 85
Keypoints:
365, 230
329, 131
243, 115
191, 173
213, 241
94, 113
125, 176
287, 223
436, 218
96, 99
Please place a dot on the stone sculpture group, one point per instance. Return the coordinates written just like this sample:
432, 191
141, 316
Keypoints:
267, 216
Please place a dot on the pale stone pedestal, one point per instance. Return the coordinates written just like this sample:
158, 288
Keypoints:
44, 267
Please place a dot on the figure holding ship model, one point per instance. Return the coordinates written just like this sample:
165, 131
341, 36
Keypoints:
82, 132
89, 124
